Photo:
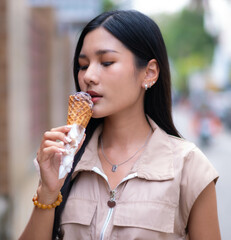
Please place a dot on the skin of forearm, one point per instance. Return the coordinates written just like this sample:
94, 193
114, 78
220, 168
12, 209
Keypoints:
40, 225
41, 222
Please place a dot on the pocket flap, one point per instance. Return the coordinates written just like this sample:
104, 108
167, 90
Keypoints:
147, 215
78, 211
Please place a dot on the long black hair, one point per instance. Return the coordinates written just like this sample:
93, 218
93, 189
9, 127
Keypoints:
142, 36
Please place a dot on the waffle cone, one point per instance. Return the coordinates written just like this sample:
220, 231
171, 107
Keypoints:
79, 109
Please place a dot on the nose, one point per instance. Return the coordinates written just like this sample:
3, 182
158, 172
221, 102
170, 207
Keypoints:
91, 75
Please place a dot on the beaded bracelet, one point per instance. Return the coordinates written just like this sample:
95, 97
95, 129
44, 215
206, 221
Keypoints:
49, 206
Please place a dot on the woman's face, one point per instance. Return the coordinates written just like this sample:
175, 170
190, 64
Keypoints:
108, 73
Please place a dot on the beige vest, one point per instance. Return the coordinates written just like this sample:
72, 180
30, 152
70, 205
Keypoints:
152, 202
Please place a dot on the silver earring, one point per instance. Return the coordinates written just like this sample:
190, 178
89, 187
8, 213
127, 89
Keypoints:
146, 87
150, 85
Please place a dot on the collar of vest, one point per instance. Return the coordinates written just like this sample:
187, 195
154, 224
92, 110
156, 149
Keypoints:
155, 163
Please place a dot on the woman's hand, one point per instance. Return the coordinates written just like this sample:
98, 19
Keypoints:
49, 156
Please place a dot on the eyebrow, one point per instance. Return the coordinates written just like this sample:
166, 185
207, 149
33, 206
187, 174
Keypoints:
99, 52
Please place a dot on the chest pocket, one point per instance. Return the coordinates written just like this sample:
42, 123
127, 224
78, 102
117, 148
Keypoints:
76, 220
144, 220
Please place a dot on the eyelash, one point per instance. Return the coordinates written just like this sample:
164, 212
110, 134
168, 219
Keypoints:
105, 64
82, 68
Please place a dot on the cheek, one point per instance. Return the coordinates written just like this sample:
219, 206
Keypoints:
121, 74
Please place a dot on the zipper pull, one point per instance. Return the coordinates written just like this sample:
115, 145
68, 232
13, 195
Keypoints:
111, 203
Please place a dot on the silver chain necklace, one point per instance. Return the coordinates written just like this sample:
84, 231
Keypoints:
115, 166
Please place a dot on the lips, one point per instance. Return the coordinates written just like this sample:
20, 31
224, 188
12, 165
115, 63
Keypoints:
95, 97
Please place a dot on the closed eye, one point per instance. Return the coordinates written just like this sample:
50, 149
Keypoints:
106, 64
83, 67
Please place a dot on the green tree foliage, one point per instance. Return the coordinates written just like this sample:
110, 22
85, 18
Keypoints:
189, 46
108, 5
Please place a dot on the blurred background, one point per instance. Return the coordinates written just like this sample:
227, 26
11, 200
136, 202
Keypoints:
37, 40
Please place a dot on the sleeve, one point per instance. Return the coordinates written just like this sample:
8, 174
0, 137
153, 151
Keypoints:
197, 173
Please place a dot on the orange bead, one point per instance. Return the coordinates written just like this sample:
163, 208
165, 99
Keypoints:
50, 206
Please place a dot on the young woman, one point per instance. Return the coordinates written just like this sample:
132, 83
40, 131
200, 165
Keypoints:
136, 178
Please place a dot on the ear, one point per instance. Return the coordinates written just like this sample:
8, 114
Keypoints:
151, 74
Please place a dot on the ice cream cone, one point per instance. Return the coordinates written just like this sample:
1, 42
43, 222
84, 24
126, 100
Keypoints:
79, 114
79, 109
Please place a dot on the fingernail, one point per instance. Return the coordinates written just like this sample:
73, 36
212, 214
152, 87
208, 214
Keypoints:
62, 150
68, 139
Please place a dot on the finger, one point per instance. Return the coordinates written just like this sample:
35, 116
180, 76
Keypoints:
64, 129
54, 136
53, 149
48, 153
83, 139
57, 160
57, 143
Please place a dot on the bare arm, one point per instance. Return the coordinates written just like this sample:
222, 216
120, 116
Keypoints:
40, 225
203, 220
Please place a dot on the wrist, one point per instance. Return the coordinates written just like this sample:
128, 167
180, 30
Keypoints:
46, 197
39, 202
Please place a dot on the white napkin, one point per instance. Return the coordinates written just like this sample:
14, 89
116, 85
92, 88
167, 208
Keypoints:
76, 134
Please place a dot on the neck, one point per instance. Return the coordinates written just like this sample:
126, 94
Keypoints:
128, 130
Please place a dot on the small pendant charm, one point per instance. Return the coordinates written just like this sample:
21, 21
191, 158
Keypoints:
111, 203
114, 168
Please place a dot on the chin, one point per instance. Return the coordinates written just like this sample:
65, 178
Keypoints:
97, 115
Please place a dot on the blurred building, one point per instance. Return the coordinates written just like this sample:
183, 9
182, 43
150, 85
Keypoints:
217, 22
36, 51
4, 151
